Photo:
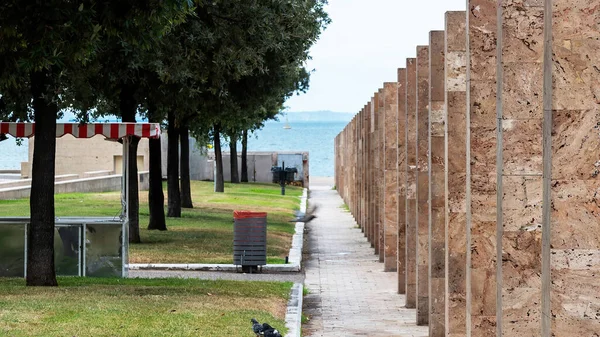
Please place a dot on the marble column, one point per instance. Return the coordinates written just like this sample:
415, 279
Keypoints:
455, 163
573, 185
362, 169
520, 106
363, 177
422, 218
481, 173
381, 184
372, 181
437, 185
358, 182
351, 167
367, 168
401, 173
411, 183
367, 117
390, 238
336, 165
378, 180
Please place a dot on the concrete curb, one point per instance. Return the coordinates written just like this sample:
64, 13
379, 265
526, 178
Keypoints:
294, 256
293, 315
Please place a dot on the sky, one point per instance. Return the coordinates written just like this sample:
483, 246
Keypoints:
365, 44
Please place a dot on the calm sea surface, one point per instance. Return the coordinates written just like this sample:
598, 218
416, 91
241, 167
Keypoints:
314, 137
11, 155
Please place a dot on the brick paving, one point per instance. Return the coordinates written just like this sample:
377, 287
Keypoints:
349, 294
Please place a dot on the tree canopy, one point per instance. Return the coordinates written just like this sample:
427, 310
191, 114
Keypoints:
219, 65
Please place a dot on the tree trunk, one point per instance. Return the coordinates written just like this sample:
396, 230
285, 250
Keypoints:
156, 197
128, 107
245, 156
233, 159
186, 191
219, 183
40, 233
174, 196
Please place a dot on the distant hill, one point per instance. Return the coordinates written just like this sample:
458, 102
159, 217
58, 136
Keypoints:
316, 116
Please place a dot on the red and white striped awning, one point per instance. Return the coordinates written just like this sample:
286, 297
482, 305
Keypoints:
109, 130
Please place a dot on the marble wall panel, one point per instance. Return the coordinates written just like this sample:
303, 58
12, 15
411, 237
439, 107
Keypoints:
365, 211
575, 217
377, 170
481, 173
381, 186
411, 182
521, 143
371, 135
368, 172
358, 181
422, 121
437, 185
390, 238
401, 172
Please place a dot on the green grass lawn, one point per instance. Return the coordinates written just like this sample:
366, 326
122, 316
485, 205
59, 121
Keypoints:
203, 234
137, 307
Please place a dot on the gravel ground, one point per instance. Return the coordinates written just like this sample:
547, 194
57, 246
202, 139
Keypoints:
212, 275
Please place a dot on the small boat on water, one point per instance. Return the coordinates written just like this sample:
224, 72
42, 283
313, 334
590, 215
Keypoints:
287, 124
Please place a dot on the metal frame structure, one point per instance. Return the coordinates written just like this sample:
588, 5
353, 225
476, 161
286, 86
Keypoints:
112, 131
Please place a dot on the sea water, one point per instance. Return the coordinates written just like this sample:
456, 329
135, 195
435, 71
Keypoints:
11, 154
315, 137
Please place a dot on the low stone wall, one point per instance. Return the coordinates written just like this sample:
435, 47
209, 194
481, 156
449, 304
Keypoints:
86, 185
27, 182
259, 166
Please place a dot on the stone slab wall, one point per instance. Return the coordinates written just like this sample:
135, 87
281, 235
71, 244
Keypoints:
437, 185
401, 171
381, 175
456, 163
573, 245
390, 155
411, 183
422, 121
481, 173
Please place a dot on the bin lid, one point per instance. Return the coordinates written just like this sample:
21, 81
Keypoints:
248, 215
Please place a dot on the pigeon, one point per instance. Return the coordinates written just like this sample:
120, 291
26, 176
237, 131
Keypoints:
257, 328
269, 331
305, 217
264, 330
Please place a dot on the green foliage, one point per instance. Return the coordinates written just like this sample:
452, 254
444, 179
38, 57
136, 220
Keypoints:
64, 39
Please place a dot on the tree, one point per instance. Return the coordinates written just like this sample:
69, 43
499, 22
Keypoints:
44, 45
156, 197
184, 168
233, 158
254, 41
244, 156
174, 196
219, 183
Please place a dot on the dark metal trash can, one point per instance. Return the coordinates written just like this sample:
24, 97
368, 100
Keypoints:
277, 172
249, 240
290, 174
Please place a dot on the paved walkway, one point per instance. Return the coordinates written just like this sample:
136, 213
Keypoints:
349, 294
